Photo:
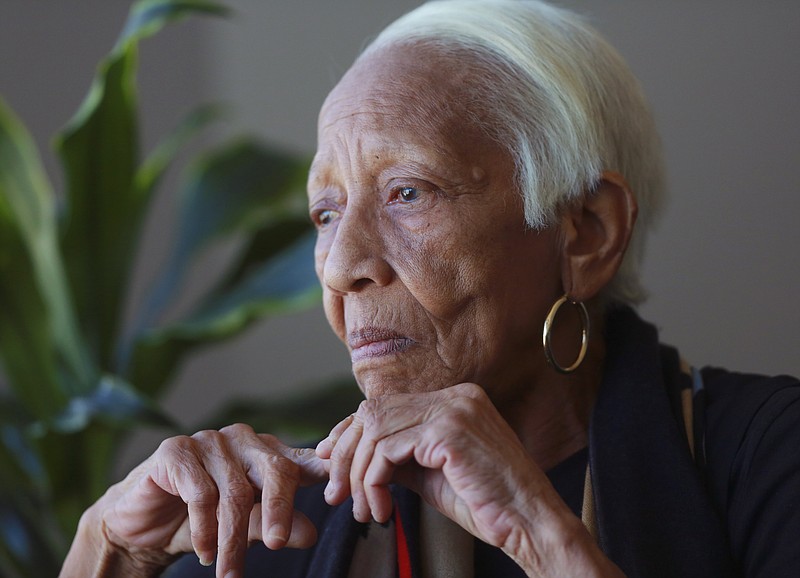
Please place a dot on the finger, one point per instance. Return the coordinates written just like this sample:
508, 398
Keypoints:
340, 462
280, 481
362, 457
376, 489
278, 477
236, 499
185, 476
389, 453
278, 470
303, 534
383, 418
325, 447
313, 469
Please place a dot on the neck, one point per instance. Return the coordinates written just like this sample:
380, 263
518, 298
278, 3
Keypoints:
552, 417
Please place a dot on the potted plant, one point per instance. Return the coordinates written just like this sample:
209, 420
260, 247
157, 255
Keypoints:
77, 381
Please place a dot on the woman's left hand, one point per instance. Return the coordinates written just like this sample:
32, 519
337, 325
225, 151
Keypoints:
453, 448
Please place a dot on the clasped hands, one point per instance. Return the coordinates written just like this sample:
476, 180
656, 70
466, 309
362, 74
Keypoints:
217, 491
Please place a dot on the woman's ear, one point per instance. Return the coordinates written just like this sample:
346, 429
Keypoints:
595, 234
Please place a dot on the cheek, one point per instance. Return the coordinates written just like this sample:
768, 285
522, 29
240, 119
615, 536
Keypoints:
334, 313
479, 278
332, 304
321, 250
439, 277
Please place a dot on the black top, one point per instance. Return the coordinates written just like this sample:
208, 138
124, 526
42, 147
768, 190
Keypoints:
736, 512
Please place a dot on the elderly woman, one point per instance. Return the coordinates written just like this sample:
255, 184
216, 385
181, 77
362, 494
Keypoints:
479, 173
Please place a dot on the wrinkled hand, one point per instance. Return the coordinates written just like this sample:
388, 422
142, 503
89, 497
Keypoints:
214, 493
454, 449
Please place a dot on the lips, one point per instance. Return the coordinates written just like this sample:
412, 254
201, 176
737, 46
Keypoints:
372, 342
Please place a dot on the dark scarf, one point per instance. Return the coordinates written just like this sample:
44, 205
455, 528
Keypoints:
654, 514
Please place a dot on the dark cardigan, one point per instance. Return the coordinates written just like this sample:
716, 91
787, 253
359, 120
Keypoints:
736, 512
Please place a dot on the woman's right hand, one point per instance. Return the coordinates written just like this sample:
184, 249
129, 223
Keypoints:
212, 493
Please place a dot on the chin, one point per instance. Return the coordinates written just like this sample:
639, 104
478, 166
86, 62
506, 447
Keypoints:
373, 384
379, 388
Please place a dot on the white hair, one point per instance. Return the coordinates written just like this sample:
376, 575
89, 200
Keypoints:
562, 101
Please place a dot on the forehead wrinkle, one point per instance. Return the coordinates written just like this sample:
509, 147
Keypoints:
412, 112
400, 133
352, 114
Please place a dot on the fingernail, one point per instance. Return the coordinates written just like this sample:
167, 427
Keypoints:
231, 574
278, 532
358, 513
330, 489
205, 559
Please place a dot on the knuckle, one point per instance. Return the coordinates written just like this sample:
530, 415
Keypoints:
239, 493
203, 493
276, 470
269, 440
278, 465
367, 407
299, 454
371, 417
370, 421
469, 405
204, 537
472, 391
233, 544
206, 436
175, 445
338, 453
279, 504
273, 461
460, 415
237, 430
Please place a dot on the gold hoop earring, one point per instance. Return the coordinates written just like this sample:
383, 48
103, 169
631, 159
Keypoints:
547, 334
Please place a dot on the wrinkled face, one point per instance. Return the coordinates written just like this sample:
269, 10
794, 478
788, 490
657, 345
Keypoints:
430, 276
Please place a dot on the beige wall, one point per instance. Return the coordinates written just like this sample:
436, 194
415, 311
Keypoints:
722, 77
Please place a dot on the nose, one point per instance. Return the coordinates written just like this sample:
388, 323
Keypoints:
356, 256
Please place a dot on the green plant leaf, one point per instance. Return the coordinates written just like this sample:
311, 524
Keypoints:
235, 190
153, 168
99, 149
262, 246
26, 339
29, 545
283, 284
113, 402
38, 331
29, 538
22, 465
149, 16
78, 466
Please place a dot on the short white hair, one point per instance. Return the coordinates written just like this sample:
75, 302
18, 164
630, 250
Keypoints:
562, 101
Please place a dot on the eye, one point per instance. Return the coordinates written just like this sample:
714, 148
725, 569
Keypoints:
324, 217
408, 194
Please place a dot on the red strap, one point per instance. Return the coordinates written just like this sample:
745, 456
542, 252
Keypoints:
403, 555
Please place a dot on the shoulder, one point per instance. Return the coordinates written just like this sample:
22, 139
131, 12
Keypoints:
742, 412
742, 409
752, 436
744, 392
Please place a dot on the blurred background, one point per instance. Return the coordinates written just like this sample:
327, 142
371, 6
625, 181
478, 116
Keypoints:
723, 78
